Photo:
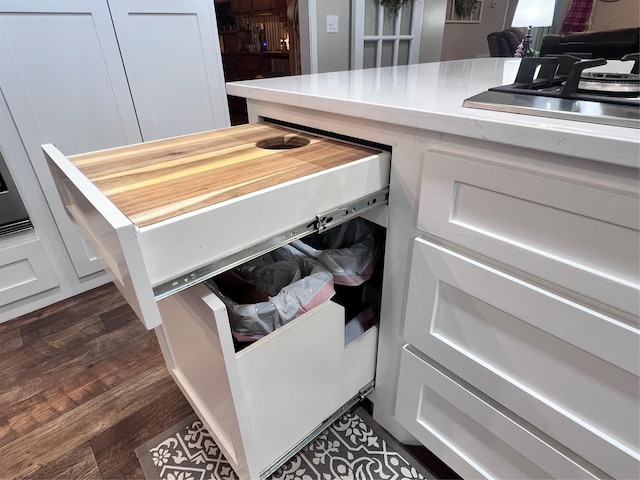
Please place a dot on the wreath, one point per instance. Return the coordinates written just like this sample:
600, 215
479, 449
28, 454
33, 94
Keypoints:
393, 5
465, 7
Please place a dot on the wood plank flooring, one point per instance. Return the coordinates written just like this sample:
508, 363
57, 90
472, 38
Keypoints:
82, 384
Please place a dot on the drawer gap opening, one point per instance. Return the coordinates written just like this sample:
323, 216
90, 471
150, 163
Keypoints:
321, 222
326, 133
343, 264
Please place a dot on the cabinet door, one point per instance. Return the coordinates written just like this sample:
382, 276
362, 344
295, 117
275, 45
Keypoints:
172, 58
64, 82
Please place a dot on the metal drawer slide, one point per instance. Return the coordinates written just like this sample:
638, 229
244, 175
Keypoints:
320, 223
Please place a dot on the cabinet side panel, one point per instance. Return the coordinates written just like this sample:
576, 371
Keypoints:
109, 231
202, 361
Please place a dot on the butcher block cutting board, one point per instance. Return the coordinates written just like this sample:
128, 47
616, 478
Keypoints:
155, 181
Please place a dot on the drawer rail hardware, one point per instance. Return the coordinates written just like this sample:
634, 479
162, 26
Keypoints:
320, 223
345, 213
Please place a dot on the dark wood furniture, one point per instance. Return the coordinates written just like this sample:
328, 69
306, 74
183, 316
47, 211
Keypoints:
247, 66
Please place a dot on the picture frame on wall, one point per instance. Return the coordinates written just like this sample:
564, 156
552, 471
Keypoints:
455, 7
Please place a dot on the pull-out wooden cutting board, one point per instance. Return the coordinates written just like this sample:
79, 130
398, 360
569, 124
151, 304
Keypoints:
164, 215
154, 181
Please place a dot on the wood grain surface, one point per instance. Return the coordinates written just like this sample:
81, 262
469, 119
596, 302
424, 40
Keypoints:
154, 181
82, 384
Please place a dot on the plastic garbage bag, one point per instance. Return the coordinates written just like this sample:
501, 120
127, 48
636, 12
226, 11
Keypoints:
284, 284
349, 251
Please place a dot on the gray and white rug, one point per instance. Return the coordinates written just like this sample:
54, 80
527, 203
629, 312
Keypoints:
353, 447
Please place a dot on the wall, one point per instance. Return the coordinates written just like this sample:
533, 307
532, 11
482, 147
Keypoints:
469, 40
613, 15
431, 40
333, 52
605, 15
333, 48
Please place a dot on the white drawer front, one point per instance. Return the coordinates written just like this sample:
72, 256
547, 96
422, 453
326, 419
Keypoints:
575, 234
263, 400
25, 270
570, 371
473, 437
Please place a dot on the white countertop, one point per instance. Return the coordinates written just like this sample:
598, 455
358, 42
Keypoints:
429, 96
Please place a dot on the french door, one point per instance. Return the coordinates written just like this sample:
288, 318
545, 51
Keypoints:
383, 38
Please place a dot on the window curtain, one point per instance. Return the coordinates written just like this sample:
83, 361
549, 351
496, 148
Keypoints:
578, 16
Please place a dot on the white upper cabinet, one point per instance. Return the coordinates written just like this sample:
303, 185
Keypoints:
87, 75
63, 76
173, 63
64, 82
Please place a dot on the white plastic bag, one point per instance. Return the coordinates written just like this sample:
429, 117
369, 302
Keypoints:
293, 283
349, 251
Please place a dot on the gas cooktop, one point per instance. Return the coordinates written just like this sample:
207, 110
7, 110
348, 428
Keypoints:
562, 87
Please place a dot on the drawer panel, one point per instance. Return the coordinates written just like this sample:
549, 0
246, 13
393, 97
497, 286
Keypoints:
161, 213
474, 437
262, 400
578, 234
568, 370
25, 271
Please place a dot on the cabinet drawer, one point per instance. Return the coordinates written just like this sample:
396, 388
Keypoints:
268, 397
474, 437
570, 371
577, 233
168, 214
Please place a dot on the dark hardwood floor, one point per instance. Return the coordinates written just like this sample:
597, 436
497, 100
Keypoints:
82, 384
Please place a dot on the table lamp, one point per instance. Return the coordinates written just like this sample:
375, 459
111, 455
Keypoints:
532, 13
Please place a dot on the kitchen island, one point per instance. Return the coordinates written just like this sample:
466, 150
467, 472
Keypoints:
509, 333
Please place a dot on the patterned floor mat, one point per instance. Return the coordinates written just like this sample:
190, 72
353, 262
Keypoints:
353, 447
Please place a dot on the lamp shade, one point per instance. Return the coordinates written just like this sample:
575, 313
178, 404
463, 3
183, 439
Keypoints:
534, 13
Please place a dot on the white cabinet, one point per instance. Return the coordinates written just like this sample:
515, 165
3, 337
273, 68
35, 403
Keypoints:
554, 363
173, 65
64, 82
524, 293
509, 337
87, 75
25, 269
576, 230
